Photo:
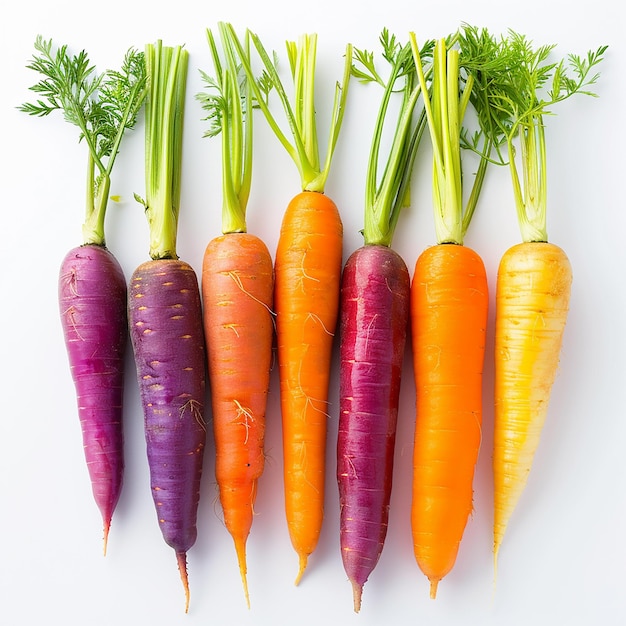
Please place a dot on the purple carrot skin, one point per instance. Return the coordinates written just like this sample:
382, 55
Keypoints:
168, 341
375, 307
92, 304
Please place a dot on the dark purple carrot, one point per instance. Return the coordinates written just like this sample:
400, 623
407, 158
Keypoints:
167, 337
92, 287
165, 318
375, 307
374, 317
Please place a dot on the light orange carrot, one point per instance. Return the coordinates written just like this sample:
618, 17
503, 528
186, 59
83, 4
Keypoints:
237, 293
237, 288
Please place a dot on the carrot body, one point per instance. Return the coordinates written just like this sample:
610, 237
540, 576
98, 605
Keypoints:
237, 291
165, 321
532, 301
92, 303
374, 319
449, 303
306, 300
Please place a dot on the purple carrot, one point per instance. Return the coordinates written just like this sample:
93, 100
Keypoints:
168, 342
375, 296
92, 303
375, 306
165, 317
92, 287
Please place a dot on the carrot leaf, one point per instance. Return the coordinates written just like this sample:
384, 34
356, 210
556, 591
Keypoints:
520, 93
102, 106
166, 68
387, 193
450, 93
303, 147
228, 101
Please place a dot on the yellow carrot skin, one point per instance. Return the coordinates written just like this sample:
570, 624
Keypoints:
532, 301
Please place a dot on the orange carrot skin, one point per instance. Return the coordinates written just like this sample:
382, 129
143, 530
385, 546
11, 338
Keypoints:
532, 302
167, 336
449, 306
306, 301
237, 292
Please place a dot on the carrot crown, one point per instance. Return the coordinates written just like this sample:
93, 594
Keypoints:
521, 89
301, 118
102, 106
167, 74
229, 106
386, 196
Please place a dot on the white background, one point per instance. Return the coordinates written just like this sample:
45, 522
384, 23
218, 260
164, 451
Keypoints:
564, 556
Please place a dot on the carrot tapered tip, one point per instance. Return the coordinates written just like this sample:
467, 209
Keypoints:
105, 540
181, 557
357, 592
240, 547
303, 560
433, 589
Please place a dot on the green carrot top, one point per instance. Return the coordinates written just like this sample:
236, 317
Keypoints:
167, 75
386, 195
521, 88
102, 106
229, 105
452, 88
301, 118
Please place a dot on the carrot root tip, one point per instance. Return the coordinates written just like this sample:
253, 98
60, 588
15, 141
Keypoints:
357, 592
433, 589
303, 559
105, 540
240, 548
181, 557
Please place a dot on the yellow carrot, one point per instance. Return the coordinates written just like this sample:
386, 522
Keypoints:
534, 278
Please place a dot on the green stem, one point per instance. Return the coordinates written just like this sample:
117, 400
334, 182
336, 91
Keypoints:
167, 72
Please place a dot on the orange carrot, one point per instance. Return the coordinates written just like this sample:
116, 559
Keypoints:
237, 292
306, 296
534, 278
449, 302
308, 273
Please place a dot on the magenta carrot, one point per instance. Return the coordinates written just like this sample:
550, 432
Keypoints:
373, 326
165, 318
92, 286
